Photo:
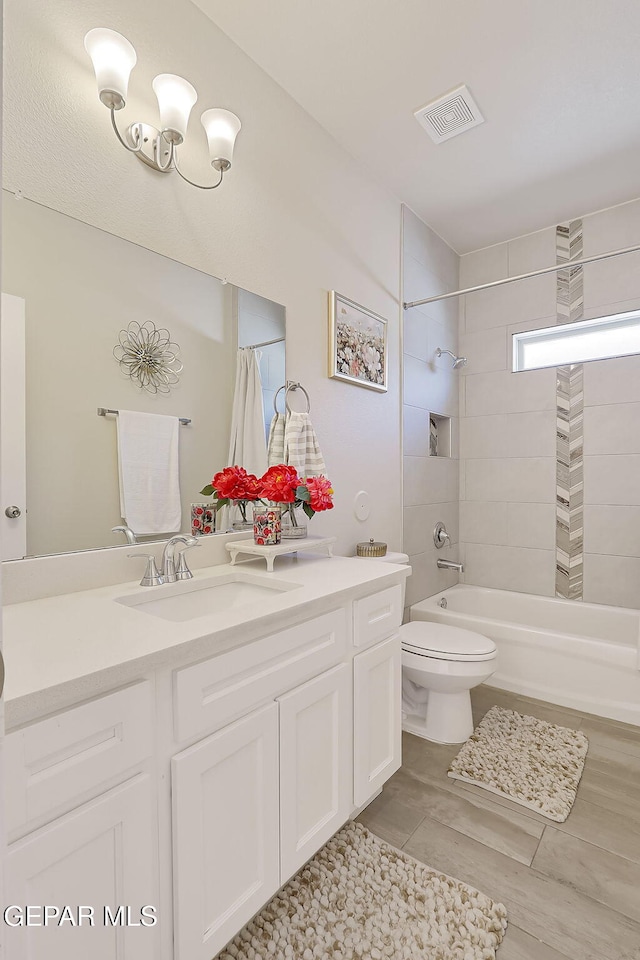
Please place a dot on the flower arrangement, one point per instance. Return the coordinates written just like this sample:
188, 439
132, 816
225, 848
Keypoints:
280, 484
233, 485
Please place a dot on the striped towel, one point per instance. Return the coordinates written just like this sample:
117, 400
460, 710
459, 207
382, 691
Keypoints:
301, 447
275, 444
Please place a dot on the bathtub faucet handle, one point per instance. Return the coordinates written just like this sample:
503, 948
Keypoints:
440, 535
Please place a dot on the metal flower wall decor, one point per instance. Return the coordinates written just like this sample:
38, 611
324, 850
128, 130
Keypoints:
147, 355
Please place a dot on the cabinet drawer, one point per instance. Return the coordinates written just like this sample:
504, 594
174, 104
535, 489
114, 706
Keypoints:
377, 617
210, 694
54, 764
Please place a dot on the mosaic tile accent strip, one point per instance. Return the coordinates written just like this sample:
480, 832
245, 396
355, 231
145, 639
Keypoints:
570, 428
570, 299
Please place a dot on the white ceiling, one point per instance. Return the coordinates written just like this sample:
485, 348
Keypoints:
558, 82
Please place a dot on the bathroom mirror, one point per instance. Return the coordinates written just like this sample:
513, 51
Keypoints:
81, 286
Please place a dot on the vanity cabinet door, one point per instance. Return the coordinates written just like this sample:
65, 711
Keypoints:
225, 832
102, 854
377, 713
315, 765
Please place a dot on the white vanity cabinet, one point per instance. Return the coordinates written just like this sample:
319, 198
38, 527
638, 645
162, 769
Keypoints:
208, 783
81, 839
252, 803
316, 781
225, 832
377, 708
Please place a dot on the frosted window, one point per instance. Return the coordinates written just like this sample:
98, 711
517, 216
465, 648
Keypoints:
615, 336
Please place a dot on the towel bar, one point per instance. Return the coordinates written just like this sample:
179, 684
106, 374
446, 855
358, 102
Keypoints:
103, 411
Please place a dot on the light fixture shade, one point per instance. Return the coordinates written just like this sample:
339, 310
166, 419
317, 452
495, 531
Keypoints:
113, 60
222, 128
176, 97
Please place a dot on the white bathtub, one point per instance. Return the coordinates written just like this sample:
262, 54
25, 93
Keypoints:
580, 655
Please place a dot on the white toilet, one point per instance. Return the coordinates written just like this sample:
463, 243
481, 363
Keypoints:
440, 665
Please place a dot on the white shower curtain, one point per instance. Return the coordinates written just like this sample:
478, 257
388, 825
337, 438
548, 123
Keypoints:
247, 446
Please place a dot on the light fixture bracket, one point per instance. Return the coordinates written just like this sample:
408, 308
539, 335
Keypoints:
153, 149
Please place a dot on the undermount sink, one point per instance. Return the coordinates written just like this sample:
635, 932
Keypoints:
190, 599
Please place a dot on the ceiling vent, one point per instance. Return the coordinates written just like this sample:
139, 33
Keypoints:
449, 115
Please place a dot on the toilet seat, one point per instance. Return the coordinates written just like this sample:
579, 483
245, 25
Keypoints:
443, 642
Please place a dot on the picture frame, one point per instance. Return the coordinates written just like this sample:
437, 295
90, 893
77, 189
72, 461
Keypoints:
357, 344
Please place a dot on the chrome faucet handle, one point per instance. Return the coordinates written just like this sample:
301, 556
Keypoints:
169, 571
182, 570
152, 576
440, 535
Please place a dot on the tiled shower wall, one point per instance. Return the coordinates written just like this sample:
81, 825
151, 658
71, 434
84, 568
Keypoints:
431, 484
508, 421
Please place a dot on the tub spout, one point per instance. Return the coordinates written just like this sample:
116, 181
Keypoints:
449, 565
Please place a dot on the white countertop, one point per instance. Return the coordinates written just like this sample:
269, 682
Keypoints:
64, 649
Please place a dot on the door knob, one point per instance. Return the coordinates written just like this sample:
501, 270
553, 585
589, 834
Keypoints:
13, 512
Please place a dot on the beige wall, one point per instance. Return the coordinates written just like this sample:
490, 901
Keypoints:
81, 286
296, 216
508, 426
430, 386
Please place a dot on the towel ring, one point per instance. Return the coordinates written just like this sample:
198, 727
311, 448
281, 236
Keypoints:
275, 398
295, 386
287, 387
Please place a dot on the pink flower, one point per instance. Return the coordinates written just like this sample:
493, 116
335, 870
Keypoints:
321, 492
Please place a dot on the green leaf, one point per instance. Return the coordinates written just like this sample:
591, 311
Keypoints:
308, 509
207, 491
303, 494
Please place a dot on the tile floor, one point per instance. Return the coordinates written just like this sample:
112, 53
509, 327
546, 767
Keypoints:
572, 889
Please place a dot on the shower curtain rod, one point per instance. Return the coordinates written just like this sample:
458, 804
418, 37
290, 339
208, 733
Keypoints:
265, 343
522, 276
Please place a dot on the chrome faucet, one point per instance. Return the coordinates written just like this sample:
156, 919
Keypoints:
169, 571
128, 532
449, 565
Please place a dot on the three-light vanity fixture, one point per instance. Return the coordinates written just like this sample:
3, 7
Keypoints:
113, 60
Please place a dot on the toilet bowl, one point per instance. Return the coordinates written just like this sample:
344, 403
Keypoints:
440, 666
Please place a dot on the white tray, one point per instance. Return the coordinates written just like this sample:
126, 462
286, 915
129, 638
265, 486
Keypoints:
236, 547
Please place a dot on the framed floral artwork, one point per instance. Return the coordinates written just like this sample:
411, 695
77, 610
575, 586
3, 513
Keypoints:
357, 344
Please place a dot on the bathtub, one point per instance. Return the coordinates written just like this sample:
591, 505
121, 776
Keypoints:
580, 655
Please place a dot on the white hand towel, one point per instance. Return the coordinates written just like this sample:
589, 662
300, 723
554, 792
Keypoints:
301, 447
275, 446
148, 468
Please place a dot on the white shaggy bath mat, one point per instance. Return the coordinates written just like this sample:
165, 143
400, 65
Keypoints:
530, 761
360, 899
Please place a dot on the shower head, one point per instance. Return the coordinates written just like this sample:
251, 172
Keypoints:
457, 361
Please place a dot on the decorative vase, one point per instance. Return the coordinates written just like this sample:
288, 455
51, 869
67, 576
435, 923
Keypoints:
293, 526
241, 521
203, 519
267, 524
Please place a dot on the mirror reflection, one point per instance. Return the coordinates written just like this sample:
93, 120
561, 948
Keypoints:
77, 288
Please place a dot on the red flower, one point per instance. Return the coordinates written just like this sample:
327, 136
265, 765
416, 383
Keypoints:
280, 483
234, 483
252, 487
320, 492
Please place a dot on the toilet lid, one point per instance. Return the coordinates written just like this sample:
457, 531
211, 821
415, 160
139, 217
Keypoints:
445, 642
